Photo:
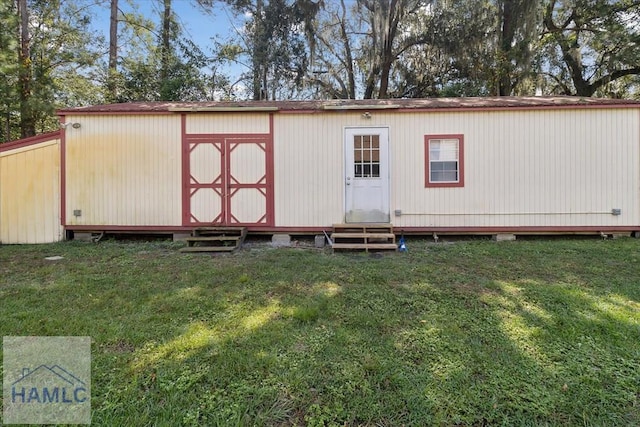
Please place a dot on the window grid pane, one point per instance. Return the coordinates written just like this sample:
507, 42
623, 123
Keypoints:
366, 156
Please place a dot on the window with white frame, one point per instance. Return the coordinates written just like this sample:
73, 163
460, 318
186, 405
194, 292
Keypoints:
444, 160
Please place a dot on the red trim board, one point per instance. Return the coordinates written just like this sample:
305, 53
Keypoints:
397, 230
226, 185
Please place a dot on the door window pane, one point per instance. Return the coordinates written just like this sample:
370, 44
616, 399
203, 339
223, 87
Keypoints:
366, 156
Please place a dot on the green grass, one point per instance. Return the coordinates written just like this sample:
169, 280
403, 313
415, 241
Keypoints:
525, 333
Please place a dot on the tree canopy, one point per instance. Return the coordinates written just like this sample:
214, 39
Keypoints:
52, 55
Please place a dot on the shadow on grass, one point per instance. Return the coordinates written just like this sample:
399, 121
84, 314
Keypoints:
464, 335
588, 340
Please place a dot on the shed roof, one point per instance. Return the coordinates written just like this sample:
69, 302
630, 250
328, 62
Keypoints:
480, 103
24, 142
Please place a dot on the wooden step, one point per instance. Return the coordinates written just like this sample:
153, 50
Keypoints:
215, 239
211, 238
367, 236
363, 228
366, 246
223, 231
208, 249
370, 238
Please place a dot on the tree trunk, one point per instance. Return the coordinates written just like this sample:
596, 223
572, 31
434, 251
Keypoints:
27, 119
166, 42
507, 34
351, 75
386, 62
258, 55
576, 70
385, 18
113, 52
388, 35
7, 136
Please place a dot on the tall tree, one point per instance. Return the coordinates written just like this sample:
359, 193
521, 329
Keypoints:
131, 37
457, 57
333, 70
159, 63
9, 106
25, 76
180, 76
591, 44
168, 33
518, 26
387, 39
275, 41
474, 47
53, 56
112, 85
360, 48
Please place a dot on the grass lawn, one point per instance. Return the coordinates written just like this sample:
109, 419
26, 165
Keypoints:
525, 333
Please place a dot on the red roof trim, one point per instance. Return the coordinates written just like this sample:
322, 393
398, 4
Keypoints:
25, 142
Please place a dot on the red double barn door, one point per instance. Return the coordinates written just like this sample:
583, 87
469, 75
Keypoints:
228, 180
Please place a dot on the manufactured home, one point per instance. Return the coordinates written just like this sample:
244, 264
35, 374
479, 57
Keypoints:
456, 165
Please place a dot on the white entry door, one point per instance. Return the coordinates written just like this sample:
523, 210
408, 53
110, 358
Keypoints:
366, 175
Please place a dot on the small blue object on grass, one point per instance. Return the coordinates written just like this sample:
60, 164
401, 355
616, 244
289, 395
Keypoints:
402, 246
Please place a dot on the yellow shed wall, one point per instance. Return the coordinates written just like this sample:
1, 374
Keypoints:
124, 170
30, 194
